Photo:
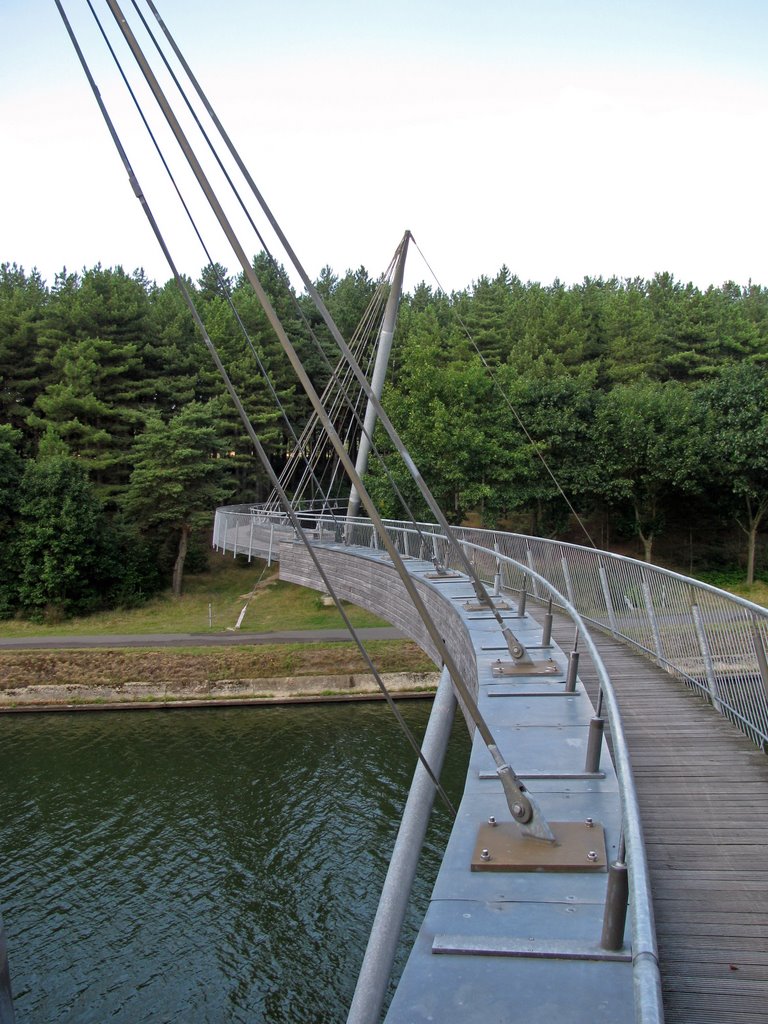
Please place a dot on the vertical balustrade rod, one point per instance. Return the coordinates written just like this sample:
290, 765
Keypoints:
706, 657
608, 599
651, 613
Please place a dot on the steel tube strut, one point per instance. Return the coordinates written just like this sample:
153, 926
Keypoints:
376, 970
379, 371
522, 807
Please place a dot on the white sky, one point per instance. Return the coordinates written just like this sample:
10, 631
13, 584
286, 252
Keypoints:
561, 138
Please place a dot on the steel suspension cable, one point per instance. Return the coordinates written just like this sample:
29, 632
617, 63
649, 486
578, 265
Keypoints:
522, 806
295, 522
400, 447
273, 223
225, 291
512, 409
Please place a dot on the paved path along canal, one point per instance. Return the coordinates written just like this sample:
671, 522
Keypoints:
296, 636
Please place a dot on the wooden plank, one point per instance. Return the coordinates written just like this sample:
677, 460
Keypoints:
703, 792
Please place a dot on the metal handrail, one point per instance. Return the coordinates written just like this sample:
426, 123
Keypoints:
714, 642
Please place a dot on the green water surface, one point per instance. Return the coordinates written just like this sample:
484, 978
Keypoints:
202, 866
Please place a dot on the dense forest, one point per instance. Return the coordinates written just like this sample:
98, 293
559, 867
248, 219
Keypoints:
644, 401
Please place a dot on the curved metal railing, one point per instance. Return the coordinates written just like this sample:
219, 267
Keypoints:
713, 641
501, 569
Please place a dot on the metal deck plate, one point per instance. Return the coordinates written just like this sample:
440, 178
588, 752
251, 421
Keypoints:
521, 668
578, 847
547, 949
477, 606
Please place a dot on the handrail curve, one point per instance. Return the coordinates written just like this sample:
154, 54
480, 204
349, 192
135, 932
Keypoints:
714, 642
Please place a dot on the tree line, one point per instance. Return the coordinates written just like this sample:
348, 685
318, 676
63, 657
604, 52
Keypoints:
644, 398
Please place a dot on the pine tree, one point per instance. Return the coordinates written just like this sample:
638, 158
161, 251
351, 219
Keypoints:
178, 477
63, 548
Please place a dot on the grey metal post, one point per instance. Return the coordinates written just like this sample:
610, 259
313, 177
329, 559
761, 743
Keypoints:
271, 535
594, 745
760, 652
546, 633
567, 578
573, 670
434, 547
379, 372
250, 542
6, 1000
595, 738
651, 613
608, 598
497, 573
616, 899
529, 560
706, 657
373, 980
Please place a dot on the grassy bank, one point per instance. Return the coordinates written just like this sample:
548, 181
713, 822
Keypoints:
183, 666
226, 587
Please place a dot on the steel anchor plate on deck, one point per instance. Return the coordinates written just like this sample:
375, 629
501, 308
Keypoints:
577, 847
525, 668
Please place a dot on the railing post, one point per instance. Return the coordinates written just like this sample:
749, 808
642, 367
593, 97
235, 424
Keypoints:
250, 542
706, 656
616, 898
567, 578
573, 668
269, 552
651, 613
529, 560
497, 573
595, 738
608, 599
762, 661
546, 633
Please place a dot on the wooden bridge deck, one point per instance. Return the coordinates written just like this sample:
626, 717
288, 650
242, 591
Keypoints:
703, 791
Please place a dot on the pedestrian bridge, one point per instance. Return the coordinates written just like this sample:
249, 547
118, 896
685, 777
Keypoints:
675, 670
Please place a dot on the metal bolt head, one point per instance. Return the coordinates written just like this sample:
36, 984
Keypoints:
492, 820
485, 855
590, 822
592, 855
517, 810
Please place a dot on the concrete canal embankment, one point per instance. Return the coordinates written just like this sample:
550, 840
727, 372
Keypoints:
56, 672
222, 692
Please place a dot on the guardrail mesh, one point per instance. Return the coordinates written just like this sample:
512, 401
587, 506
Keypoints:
714, 642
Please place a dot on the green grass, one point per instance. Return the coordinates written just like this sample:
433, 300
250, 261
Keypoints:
732, 580
182, 667
226, 586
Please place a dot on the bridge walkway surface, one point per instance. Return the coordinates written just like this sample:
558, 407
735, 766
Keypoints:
703, 792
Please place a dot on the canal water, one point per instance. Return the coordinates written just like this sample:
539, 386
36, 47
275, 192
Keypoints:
202, 867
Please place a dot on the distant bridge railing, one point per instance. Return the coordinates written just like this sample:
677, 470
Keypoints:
713, 641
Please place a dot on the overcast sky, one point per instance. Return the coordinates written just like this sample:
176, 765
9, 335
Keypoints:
562, 139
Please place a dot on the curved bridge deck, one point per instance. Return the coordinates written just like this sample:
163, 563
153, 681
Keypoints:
703, 790
491, 932
702, 785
